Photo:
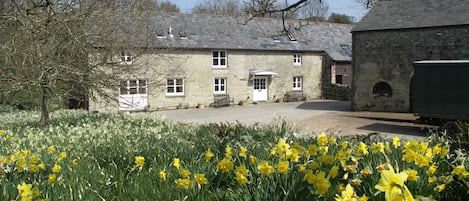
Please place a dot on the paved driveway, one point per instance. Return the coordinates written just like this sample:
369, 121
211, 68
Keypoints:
309, 117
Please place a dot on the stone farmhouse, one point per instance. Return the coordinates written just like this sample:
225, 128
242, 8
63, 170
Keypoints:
392, 36
191, 60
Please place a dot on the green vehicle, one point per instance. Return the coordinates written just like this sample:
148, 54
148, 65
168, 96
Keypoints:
440, 91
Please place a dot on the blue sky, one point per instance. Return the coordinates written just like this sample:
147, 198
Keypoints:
348, 7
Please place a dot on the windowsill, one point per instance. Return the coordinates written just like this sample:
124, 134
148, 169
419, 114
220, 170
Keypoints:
297, 64
174, 95
219, 67
297, 90
219, 93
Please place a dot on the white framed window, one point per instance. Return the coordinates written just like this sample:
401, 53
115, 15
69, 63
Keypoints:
219, 59
133, 86
219, 86
297, 59
298, 83
126, 58
175, 87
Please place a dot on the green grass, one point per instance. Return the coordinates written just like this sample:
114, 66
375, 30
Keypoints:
105, 146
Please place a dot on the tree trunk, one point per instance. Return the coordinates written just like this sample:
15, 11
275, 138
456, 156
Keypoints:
44, 107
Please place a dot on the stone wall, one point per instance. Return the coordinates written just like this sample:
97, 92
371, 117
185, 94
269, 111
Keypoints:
386, 56
195, 67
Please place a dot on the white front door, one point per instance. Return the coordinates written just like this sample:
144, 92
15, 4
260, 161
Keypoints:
260, 89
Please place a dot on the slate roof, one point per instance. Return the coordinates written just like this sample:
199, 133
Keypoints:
231, 33
403, 14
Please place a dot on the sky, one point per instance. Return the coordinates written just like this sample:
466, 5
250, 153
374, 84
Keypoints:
347, 7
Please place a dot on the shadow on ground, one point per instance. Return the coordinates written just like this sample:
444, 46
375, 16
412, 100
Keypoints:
396, 129
343, 106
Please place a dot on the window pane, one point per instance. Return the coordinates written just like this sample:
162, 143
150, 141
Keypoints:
178, 81
123, 84
222, 53
170, 82
216, 81
170, 89
215, 54
216, 88
142, 83
223, 62
142, 90
133, 90
215, 62
124, 90
222, 81
222, 88
179, 90
133, 83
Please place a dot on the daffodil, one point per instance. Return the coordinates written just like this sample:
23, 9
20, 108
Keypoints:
347, 195
440, 188
412, 175
362, 148
241, 170
313, 150
322, 183
243, 151
241, 179
322, 139
225, 165
208, 155
176, 163
252, 160
396, 141
56, 168
52, 178
25, 191
183, 183
139, 161
283, 167
163, 175
200, 179
460, 171
228, 152
265, 169
392, 184
185, 173
377, 147
333, 172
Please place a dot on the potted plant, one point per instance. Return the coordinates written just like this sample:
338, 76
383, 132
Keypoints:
242, 102
200, 106
279, 100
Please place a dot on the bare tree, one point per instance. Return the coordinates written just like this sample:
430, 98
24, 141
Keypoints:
57, 49
219, 7
367, 3
314, 10
341, 18
168, 7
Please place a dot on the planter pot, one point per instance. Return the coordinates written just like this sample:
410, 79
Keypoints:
200, 106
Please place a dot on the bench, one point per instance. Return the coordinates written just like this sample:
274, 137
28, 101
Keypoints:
221, 100
294, 96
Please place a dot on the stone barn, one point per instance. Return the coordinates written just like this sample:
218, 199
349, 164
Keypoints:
392, 36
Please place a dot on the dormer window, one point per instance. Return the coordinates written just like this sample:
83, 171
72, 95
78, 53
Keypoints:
182, 35
347, 49
297, 59
126, 58
276, 39
160, 34
291, 37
